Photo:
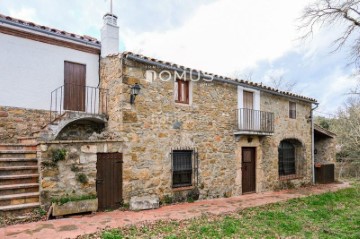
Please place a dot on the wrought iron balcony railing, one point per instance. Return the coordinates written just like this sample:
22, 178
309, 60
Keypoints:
251, 121
79, 98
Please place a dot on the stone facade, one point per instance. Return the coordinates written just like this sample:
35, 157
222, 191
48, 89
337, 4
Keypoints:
62, 178
325, 149
155, 125
20, 122
148, 131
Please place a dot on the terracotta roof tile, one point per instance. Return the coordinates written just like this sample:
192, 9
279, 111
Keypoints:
250, 83
52, 30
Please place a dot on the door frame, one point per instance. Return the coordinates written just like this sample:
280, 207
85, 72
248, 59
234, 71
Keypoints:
255, 181
68, 101
101, 180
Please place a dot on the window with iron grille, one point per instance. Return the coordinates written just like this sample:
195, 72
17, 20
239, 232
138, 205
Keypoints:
292, 110
287, 159
182, 168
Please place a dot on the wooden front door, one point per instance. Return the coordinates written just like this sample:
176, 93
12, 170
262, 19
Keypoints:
74, 86
109, 180
248, 170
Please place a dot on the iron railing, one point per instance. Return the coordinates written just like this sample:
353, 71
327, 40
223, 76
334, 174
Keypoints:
254, 121
78, 98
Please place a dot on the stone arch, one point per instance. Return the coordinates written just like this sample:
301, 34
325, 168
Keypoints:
80, 127
291, 158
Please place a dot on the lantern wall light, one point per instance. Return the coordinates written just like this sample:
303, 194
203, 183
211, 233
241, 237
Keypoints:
135, 90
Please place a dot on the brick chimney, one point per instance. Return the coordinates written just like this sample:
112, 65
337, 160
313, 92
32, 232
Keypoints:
109, 35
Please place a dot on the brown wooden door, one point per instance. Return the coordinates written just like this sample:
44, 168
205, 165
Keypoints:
248, 170
74, 86
109, 180
248, 103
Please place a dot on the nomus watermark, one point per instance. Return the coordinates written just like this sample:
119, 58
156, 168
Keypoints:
168, 75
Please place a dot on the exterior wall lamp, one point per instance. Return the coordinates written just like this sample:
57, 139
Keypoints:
135, 90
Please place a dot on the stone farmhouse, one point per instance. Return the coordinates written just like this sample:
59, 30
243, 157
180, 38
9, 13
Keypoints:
78, 118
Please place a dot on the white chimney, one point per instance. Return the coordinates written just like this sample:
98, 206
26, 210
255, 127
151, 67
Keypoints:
109, 35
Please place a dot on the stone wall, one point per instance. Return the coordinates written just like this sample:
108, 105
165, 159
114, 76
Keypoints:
155, 125
298, 129
20, 122
62, 178
325, 149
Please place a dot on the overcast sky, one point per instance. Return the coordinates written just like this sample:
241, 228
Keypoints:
218, 36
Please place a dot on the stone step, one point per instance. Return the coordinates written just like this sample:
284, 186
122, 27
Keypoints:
22, 198
19, 188
19, 207
19, 179
27, 140
17, 153
18, 162
18, 170
21, 147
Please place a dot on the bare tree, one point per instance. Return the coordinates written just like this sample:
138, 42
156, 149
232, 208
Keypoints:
347, 127
277, 82
282, 84
328, 12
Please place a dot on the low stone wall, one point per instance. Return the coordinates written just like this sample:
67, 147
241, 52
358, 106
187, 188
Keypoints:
62, 178
20, 122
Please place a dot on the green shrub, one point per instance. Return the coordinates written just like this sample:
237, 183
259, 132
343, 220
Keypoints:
75, 168
82, 178
167, 199
58, 155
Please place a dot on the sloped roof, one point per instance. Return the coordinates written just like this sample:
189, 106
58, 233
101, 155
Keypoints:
48, 30
324, 132
260, 86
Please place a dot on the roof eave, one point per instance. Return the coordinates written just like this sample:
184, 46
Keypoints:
15, 24
215, 77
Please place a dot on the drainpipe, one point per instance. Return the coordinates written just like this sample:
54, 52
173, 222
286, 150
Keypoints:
313, 143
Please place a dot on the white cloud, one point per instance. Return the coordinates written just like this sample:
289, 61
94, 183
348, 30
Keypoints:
219, 36
28, 14
225, 36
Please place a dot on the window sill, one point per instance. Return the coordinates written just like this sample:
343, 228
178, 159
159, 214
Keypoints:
182, 104
289, 177
183, 188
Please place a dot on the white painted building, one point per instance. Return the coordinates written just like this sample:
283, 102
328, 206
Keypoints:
34, 58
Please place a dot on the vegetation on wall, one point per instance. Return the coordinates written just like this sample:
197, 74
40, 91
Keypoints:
82, 178
58, 155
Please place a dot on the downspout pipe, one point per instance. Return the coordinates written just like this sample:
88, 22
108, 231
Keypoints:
313, 143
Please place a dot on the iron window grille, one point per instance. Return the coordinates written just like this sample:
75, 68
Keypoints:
184, 168
287, 160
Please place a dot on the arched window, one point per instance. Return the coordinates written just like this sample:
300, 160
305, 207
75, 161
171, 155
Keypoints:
287, 158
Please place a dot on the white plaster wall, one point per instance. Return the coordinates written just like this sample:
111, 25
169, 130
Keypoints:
30, 70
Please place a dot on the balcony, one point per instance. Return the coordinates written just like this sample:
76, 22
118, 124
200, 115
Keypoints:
254, 122
84, 100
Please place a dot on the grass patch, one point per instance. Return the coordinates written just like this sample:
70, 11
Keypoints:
112, 234
330, 215
66, 199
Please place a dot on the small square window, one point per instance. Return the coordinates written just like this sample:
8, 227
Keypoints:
182, 92
292, 110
